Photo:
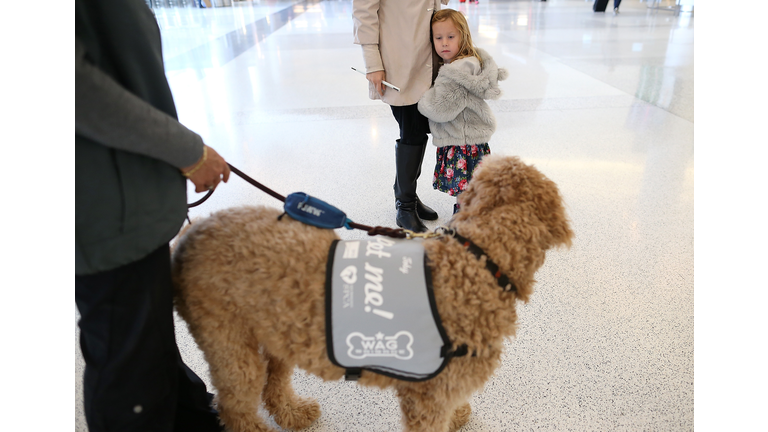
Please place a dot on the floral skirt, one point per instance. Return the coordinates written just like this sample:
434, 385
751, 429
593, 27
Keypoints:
455, 165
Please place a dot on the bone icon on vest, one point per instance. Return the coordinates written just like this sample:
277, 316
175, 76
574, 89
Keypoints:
398, 346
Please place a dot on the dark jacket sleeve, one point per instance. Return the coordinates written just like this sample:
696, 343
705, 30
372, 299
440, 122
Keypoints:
107, 113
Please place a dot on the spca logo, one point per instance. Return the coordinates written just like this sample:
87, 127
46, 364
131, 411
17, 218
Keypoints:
398, 346
349, 274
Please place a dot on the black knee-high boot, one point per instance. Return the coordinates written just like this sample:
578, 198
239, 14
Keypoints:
422, 209
408, 166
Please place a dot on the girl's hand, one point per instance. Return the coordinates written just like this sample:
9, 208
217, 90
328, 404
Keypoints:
208, 171
376, 78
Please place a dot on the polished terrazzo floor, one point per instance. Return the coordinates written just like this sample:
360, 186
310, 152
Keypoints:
601, 103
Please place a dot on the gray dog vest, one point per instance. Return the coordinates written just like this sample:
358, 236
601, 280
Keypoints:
380, 310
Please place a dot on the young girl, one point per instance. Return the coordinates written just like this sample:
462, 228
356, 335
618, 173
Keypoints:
460, 120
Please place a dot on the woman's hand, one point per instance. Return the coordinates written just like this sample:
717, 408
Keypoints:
376, 78
207, 172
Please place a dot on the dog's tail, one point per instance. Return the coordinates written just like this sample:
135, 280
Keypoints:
177, 249
179, 235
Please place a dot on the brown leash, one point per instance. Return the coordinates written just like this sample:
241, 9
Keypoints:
372, 231
505, 282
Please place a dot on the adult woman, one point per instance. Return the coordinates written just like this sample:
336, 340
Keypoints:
396, 42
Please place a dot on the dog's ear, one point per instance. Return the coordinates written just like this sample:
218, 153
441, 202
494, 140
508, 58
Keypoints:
486, 190
535, 187
551, 211
506, 180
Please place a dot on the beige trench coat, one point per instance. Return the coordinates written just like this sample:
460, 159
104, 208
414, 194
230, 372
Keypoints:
395, 36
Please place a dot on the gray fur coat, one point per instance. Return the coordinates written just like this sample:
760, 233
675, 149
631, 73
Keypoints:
455, 105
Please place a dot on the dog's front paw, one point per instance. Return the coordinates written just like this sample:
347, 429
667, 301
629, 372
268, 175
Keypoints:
298, 415
460, 417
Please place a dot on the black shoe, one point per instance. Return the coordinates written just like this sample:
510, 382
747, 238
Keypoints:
407, 218
425, 212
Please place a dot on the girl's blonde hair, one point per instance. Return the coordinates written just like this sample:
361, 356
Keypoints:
466, 48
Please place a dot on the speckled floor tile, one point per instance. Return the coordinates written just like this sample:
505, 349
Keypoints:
601, 103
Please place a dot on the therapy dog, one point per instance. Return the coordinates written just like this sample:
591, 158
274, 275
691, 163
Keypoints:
251, 287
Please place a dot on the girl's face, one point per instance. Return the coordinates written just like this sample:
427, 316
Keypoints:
447, 39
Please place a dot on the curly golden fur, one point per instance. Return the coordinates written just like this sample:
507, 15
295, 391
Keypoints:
251, 288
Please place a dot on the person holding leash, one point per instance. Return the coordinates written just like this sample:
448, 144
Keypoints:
132, 160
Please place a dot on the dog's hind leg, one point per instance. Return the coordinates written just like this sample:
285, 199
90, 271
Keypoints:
238, 371
289, 410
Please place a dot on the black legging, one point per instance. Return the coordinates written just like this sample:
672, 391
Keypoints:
414, 127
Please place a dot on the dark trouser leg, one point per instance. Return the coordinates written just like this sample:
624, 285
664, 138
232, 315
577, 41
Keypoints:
413, 134
194, 411
616, 4
134, 376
